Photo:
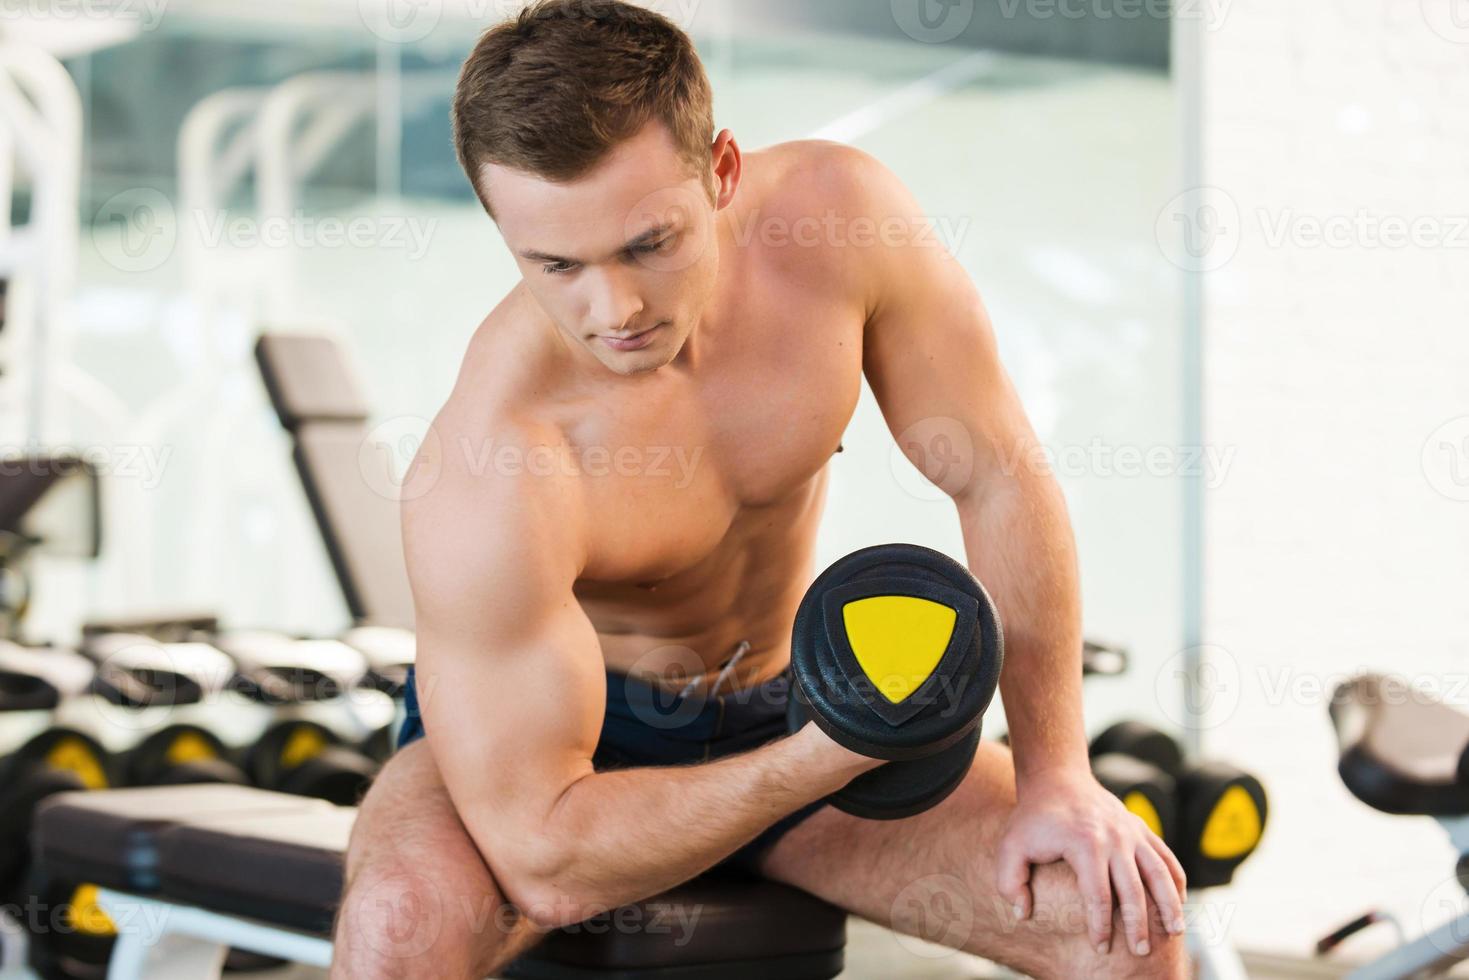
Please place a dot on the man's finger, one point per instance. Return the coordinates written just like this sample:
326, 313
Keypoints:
1162, 887
1174, 867
1096, 892
1133, 901
1014, 877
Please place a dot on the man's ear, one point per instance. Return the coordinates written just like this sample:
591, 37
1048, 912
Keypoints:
728, 164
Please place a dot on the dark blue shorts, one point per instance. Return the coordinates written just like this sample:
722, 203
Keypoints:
645, 727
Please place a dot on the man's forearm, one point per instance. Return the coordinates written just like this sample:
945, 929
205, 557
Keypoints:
622, 835
1020, 545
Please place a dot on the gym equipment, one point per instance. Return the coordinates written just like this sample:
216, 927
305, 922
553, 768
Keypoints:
40, 678
1405, 753
50, 505
380, 744
321, 404
1210, 814
389, 653
279, 670
1140, 741
181, 754
86, 941
1217, 812
1146, 790
80, 942
308, 759
163, 629
137, 671
1222, 811
54, 761
41, 117
896, 652
1100, 659
222, 866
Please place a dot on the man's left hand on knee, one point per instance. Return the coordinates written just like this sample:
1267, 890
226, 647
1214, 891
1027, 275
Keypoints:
1066, 815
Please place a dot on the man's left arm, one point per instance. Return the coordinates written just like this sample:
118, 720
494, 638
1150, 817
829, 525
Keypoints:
931, 358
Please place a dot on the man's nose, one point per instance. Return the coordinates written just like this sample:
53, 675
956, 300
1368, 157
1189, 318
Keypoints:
614, 302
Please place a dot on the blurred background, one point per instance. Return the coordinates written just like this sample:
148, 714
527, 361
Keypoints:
1225, 244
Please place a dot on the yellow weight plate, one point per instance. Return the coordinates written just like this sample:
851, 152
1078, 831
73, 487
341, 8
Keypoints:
1138, 804
189, 747
898, 640
87, 916
74, 755
1233, 828
305, 743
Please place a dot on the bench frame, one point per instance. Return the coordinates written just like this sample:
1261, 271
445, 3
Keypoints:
185, 942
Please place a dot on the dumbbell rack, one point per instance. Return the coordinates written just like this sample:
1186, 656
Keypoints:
1182, 801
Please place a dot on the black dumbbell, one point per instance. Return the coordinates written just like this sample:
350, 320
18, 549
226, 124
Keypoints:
1147, 791
1220, 810
1222, 814
309, 759
77, 937
137, 671
389, 653
379, 745
281, 670
55, 761
1140, 741
181, 754
895, 653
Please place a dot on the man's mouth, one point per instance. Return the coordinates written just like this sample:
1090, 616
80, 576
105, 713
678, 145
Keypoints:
632, 342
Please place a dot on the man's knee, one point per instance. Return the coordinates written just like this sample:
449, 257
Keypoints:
417, 892
398, 918
393, 912
1060, 924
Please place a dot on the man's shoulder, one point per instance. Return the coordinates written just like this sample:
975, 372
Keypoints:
494, 482
822, 206
489, 437
811, 174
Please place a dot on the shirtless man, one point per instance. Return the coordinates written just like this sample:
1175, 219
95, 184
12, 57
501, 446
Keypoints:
625, 485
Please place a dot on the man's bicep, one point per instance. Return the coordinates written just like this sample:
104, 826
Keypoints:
510, 677
512, 725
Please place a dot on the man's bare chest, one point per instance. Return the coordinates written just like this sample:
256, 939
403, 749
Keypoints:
675, 474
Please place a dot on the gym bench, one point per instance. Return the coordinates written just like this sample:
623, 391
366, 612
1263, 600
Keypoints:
186, 873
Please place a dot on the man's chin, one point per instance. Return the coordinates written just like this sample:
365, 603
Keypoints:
659, 354
636, 362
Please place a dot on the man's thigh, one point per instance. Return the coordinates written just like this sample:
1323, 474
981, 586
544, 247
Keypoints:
933, 875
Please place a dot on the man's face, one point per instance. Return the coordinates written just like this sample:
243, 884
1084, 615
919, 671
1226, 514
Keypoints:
625, 259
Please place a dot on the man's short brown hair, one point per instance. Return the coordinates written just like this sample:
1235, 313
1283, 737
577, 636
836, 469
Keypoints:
551, 92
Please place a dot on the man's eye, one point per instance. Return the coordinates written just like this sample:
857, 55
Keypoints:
557, 268
652, 247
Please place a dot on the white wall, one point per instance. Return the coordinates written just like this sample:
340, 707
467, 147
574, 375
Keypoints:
1340, 540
